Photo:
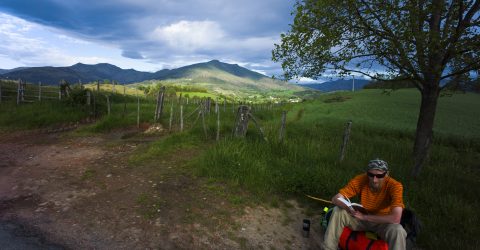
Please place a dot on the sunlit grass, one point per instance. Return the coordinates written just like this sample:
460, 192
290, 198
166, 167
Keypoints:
383, 126
306, 161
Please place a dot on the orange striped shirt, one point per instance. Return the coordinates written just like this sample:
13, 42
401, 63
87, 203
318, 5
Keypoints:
378, 203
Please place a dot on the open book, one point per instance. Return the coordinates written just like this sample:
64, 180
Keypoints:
353, 206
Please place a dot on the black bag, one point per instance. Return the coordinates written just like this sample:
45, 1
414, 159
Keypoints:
411, 223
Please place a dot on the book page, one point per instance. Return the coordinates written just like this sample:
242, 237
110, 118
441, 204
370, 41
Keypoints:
345, 201
353, 206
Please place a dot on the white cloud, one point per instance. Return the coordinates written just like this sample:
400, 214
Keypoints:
190, 35
305, 80
18, 43
200, 36
28, 44
174, 45
72, 39
152, 34
263, 72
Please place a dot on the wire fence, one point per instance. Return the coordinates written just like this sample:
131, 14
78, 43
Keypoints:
179, 112
182, 111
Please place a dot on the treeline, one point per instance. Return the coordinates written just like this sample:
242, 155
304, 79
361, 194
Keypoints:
154, 88
462, 85
398, 84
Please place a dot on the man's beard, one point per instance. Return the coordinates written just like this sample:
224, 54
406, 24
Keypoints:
375, 188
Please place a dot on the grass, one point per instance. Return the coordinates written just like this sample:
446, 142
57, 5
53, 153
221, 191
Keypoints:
167, 145
306, 162
43, 114
383, 126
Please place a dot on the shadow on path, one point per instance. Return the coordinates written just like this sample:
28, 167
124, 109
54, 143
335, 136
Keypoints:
14, 236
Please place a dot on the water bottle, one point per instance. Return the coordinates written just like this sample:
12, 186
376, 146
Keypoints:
306, 228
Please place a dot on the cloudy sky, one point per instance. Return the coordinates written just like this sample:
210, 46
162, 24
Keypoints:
146, 35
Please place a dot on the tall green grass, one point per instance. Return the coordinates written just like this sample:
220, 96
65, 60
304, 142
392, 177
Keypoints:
38, 115
444, 196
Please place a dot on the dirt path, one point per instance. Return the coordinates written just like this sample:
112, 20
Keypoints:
81, 193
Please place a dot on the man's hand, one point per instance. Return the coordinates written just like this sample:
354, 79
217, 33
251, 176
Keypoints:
338, 203
357, 214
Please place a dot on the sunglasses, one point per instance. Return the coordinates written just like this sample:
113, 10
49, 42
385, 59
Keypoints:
379, 176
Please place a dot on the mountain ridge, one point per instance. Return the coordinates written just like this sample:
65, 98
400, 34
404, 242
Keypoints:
225, 79
105, 71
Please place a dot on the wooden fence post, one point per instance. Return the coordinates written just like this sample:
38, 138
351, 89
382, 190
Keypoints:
108, 104
241, 121
88, 98
0, 91
40, 91
204, 125
346, 136
94, 107
218, 125
18, 91
171, 117
162, 97
98, 86
216, 105
59, 93
156, 106
224, 104
207, 104
23, 89
181, 118
124, 101
282, 127
138, 110
159, 107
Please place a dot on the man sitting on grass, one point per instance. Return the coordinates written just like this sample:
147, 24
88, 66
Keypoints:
381, 196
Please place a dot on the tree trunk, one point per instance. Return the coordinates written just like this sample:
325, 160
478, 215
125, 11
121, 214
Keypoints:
424, 133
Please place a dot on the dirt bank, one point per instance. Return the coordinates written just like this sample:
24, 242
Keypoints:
81, 193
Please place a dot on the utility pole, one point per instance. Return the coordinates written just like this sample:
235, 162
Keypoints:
353, 84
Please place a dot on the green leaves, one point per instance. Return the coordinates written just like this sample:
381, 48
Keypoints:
418, 39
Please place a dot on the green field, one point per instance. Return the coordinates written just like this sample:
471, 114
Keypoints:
444, 196
306, 162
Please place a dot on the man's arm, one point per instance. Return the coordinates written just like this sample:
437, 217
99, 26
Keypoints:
338, 203
393, 217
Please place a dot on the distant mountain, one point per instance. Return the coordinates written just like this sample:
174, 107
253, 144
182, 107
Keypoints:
46, 75
227, 79
224, 78
214, 66
337, 85
75, 73
217, 72
4, 71
102, 71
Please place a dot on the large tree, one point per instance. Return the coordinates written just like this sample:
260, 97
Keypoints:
426, 42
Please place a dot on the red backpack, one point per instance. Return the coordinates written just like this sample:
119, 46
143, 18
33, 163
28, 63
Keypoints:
358, 240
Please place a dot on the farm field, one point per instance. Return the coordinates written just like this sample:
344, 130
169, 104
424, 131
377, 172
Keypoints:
108, 183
